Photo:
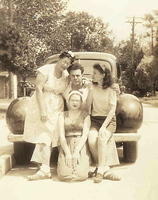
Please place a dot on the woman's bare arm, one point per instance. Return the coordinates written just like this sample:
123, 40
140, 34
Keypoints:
86, 128
88, 105
62, 138
40, 81
113, 102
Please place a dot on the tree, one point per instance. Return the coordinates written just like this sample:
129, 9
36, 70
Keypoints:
155, 67
83, 32
40, 28
150, 23
123, 53
147, 72
143, 75
22, 42
6, 50
42, 20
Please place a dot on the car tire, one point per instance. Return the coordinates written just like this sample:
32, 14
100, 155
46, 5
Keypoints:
130, 151
23, 152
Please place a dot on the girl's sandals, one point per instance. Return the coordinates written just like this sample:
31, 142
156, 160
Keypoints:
39, 176
107, 175
111, 176
98, 178
92, 174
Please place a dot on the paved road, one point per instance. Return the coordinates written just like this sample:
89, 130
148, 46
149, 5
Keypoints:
139, 180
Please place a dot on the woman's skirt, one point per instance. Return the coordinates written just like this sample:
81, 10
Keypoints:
112, 154
36, 131
73, 173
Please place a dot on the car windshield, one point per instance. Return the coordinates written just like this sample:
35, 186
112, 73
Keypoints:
88, 66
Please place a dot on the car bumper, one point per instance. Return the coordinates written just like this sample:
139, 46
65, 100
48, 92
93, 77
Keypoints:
119, 137
126, 137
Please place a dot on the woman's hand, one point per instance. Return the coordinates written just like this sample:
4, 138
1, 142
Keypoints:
75, 158
102, 131
44, 117
68, 160
104, 134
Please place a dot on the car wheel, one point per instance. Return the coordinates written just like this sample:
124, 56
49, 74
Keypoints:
130, 151
23, 152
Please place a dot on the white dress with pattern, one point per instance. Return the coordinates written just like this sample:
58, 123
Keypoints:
36, 131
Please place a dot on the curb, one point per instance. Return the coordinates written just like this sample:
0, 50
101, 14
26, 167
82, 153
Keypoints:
6, 163
6, 159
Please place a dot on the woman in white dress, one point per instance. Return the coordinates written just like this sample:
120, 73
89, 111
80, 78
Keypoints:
45, 106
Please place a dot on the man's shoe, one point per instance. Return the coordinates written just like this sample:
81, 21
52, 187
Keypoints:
39, 176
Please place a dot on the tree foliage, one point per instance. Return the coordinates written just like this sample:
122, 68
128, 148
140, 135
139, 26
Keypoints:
143, 74
123, 53
150, 22
86, 33
41, 20
147, 72
33, 30
28, 33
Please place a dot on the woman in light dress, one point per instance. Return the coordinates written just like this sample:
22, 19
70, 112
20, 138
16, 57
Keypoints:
44, 108
74, 126
102, 146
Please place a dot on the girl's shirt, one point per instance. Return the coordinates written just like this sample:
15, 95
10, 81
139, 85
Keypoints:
103, 101
74, 128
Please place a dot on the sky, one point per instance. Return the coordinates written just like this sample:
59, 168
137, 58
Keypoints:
116, 13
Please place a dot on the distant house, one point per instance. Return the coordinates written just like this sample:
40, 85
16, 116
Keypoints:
8, 85
4, 85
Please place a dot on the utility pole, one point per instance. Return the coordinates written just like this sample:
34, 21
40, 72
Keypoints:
152, 39
133, 23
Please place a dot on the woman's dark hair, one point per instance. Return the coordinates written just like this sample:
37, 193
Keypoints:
107, 80
67, 54
75, 66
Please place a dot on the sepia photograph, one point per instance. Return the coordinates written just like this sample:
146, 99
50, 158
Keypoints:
78, 99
